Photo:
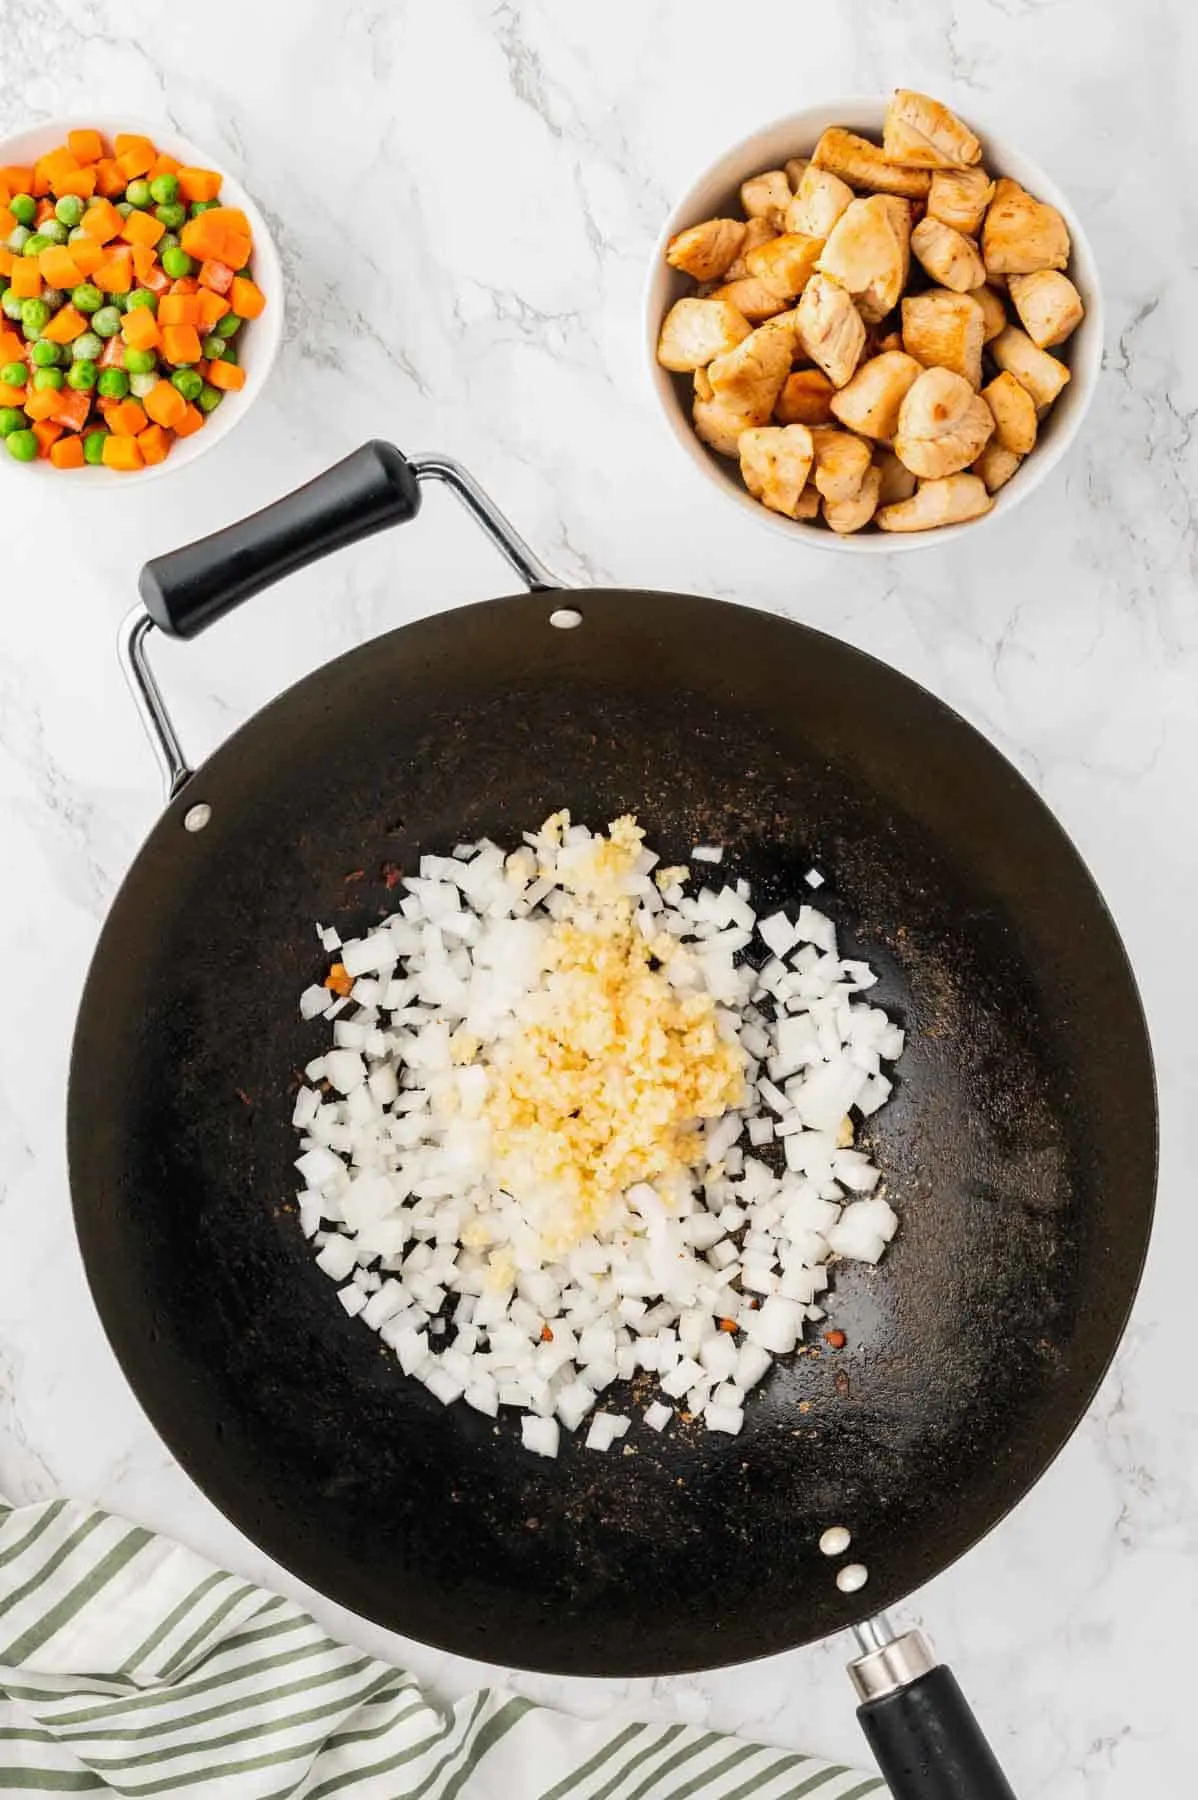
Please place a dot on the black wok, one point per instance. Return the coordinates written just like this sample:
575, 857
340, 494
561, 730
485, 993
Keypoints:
1020, 1144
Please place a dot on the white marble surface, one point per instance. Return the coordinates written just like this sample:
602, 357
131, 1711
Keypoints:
465, 197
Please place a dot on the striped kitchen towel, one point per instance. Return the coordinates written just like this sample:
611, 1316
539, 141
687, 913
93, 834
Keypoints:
131, 1665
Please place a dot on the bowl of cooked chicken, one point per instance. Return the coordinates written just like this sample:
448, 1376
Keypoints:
872, 326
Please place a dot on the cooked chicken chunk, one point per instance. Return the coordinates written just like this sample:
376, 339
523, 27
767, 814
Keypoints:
863, 165
720, 426
795, 170
1041, 374
868, 253
753, 298
830, 329
943, 425
1021, 234
805, 398
809, 503
850, 515
947, 502
695, 331
878, 346
1014, 413
775, 462
840, 462
757, 231
949, 256
922, 133
871, 400
898, 483
706, 251
945, 330
959, 197
749, 378
991, 303
819, 200
766, 197
1048, 304
996, 466
786, 263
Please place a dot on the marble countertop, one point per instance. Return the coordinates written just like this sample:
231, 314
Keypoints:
465, 196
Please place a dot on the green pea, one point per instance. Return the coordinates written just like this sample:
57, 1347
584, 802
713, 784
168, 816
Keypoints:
140, 362
11, 419
87, 347
69, 209
35, 315
214, 347
93, 446
87, 297
82, 375
142, 297
176, 264
53, 297
17, 239
172, 215
232, 354
44, 355
210, 398
227, 327
53, 230
107, 321
165, 189
125, 207
189, 383
10, 305
23, 208
138, 193
14, 374
35, 243
113, 384
22, 445
76, 233
168, 241
141, 384
202, 206
47, 378
120, 301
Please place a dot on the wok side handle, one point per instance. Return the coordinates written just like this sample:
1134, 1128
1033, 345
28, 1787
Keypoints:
920, 1727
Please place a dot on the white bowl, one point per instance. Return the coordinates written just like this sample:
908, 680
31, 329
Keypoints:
257, 342
716, 193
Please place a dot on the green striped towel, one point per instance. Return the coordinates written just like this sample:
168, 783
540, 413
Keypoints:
133, 1666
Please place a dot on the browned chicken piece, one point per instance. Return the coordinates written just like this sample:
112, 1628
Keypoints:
949, 257
996, 465
868, 253
943, 425
921, 133
809, 503
992, 305
863, 165
786, 263
696, 331
706, 251
1049, 306
757, 231
819, 200
889, 340
720, 427
840, 462
1022, 234
755, 299
775, 462
703, 387
850, 515
945, 330
948, 502
898, 483
830, 329
1041, 374
749, 378
870, 402
795, 170
805, 399
959, 197
1014, 414
766, 197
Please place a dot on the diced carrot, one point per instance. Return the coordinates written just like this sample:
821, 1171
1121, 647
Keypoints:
185, 284
45, 210
102, 221
7, 259
55, 163
8, 221
164, 165
85, 146
122, 451
139, 329
113, 354
143, 260
217, 234
38, 185
88, 254
211, 308
142, 228
65, 326
154, 444
133, 163
115, 275
237, 249
81, 183
11, 396
179, 309
165, 405
199, 184
67, 453
126, 141
128, 417
41, 403
109, 180
17, 178
47, 434
59, 267
26, 278
155, 278
247, 297
72, 409
13, 347
180, 344
226, 375
216, 275
191, 421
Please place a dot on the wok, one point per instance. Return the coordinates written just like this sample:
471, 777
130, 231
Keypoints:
1019, 1146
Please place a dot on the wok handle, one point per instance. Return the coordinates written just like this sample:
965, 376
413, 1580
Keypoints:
920, 1727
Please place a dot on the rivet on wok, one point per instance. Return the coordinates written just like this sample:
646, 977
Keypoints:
196, 817
565, 618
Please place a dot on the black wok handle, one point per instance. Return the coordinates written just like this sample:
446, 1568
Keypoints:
921, 1729
189, 589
